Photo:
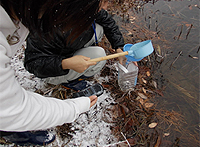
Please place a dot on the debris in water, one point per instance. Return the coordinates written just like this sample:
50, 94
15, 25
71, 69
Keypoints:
148, 105
153, 125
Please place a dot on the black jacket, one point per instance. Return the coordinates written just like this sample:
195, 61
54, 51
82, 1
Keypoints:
43, 58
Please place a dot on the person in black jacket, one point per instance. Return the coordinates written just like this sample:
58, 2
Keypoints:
61, 61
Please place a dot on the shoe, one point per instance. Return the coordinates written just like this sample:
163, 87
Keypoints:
83, 77
75, 85
30, 138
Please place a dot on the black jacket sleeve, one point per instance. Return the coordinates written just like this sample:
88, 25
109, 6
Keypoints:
111, 30
43, 59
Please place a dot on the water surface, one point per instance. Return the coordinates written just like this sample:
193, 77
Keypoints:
173, 27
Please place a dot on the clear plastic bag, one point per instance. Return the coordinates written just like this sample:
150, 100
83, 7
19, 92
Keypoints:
127, 76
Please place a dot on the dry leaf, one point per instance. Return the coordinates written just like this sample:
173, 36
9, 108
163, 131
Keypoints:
158, 49
153, 125
141, 101
125, 108
154, 84
158, 142
132, 18
130, 34
144, 81
166, 134
142, 95
187, 25
195, 57
190, 7
148, 105
148, 74
2, 141
131, 141
138, 98
144, 90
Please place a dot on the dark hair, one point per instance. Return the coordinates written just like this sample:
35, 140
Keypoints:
68, 15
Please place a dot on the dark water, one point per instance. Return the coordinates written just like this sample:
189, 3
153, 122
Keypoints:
177, 26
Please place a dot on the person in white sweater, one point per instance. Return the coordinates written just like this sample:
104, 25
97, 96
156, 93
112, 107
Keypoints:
21, 111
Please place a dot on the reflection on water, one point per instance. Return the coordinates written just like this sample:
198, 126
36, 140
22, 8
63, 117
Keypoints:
174, 30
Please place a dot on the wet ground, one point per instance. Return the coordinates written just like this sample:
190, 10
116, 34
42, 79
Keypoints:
173, 27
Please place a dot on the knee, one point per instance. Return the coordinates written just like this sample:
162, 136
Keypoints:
99, 52
92, 52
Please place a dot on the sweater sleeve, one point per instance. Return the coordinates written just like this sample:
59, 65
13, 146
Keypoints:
111, 29
21, 110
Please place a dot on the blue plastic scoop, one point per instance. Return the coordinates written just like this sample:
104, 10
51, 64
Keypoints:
139, 50
133, 52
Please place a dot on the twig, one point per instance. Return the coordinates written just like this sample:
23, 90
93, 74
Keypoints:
176, 59
180, 32
189, 30
61, 95
126, 140
198, 50
113, 144
51, 89
150, 23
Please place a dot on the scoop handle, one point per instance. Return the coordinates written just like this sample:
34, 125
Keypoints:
109, 56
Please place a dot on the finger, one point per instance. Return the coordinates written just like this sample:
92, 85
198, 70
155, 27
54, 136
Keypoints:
91, 63
121, 62
93, 97
86, 58
93, 100
135, 63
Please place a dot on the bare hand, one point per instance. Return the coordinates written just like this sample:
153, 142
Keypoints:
122, 59
93, 100
135, 63
77, 63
